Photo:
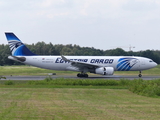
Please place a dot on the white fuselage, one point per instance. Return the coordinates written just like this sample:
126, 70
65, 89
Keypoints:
119, 63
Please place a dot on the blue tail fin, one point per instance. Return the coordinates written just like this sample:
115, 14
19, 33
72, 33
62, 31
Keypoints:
16, 46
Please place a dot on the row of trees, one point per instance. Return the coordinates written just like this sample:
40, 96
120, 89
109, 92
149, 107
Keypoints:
41, 48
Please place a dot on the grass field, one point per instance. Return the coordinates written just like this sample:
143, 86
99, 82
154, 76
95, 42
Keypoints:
43, 100
76, 104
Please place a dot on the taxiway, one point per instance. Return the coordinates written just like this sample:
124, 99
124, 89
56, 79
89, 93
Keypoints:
116, 77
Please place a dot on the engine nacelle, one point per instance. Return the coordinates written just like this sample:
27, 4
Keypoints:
105, 70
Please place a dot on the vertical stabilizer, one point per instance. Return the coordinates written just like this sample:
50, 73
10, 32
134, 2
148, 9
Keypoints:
17, 48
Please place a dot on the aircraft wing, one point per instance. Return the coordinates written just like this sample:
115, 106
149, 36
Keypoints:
80, 65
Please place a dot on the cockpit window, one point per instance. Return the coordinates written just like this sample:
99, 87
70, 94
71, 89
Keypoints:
150, 61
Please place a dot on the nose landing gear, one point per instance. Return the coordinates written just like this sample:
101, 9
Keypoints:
140, 75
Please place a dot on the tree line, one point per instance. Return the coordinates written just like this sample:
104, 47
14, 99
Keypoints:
41, 48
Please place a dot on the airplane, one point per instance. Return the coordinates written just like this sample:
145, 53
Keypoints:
102, 65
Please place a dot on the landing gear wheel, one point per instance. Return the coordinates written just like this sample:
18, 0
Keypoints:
86, 75
78, 75
140, 75
82, 75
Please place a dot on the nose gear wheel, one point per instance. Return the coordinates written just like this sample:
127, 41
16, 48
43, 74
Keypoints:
140, 75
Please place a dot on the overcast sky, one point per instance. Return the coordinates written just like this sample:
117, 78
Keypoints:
102, 24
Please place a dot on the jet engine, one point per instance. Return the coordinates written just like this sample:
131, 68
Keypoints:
104, 70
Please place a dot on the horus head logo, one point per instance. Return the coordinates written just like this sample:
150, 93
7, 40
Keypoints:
14, 45
125, 64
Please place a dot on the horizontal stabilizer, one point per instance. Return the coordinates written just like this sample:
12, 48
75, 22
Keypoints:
21, 59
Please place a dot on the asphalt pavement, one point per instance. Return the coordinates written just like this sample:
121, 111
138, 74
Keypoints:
116, 77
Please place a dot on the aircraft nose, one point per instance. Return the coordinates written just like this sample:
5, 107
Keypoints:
155, 64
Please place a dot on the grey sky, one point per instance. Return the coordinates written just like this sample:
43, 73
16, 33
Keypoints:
102, 24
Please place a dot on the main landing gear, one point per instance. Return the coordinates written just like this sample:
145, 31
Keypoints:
82, 75
140, 75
